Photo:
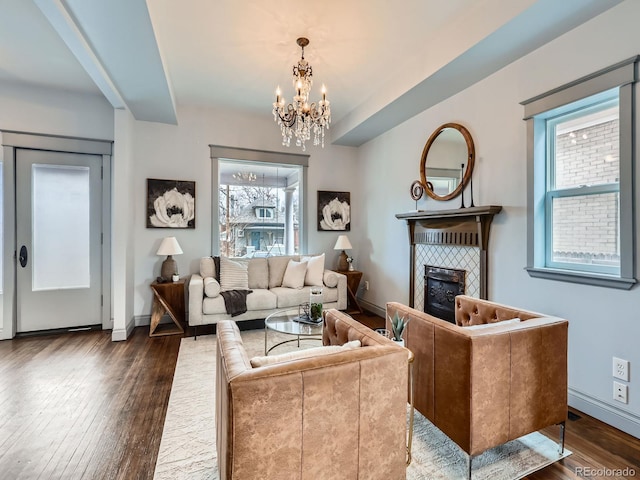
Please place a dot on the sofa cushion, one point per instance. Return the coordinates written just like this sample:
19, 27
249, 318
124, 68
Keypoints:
233, 275
259, 299
294, 274
211, 287
306, 353
291, 297
277, 267
315, 270
258, 273
207, 267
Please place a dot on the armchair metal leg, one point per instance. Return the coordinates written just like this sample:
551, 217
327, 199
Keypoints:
469, 460
411, 412
561, 441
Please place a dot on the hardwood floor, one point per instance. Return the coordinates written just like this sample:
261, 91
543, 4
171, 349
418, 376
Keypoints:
79, 406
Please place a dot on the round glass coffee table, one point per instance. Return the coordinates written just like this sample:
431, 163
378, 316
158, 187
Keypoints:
284, 321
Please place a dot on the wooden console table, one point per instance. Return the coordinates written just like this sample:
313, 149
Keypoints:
167, 298
353, 282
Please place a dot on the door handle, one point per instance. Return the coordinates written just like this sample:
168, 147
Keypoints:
23, 256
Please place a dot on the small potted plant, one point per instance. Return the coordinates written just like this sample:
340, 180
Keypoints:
398, 324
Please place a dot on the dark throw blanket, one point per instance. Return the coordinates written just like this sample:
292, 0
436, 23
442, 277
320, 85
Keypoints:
216, 263
235, 301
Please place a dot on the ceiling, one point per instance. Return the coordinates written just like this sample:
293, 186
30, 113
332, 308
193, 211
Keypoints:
381, 61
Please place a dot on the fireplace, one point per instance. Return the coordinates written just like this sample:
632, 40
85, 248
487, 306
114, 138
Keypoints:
457, 239
441, 285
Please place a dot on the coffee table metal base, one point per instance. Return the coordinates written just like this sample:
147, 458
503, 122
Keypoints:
283, 321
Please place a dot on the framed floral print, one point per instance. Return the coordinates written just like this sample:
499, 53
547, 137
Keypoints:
334, 211
171, 203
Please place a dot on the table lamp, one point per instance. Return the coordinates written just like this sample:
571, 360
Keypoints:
343, 244
168, 247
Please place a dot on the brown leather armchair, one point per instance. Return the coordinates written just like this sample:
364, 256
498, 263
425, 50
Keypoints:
484, 387
335, 416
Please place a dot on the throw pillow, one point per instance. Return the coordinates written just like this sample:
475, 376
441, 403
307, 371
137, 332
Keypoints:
307, 353
277, 266
211, 287
330, 279
494, 324
294, 274
207, 267
315, 270
233, 275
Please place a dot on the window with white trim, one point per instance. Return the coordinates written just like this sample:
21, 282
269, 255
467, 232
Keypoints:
264, 213
582, 203
580, 156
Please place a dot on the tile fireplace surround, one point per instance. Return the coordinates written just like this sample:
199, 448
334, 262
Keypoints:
456, 239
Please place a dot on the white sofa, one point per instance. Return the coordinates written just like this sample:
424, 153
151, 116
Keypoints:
265, 276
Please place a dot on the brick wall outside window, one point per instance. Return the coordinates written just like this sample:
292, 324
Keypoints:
586, 229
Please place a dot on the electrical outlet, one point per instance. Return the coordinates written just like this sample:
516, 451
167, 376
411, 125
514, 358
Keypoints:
366, 285
621, 369
620, 392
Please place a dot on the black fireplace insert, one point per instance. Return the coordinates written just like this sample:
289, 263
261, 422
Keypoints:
441, 285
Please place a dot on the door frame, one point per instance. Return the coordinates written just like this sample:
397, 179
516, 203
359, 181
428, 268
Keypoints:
11, 141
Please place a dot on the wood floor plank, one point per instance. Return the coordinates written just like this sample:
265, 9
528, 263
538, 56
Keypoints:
79, 406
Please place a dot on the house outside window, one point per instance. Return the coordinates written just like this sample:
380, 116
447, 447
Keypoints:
580, 185
259, 212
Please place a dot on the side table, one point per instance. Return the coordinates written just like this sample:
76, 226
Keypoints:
167, 298
353, 282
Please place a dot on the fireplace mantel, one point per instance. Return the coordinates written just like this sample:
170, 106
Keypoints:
463, 227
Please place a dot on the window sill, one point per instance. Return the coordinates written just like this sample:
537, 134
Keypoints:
594, 279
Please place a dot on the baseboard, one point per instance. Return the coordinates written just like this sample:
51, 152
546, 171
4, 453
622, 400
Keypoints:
145, 320
609, 414
370, 307
121, 334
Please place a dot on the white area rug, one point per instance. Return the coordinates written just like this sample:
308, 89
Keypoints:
188, 449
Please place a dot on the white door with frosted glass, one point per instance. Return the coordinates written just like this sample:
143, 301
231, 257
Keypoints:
58, 234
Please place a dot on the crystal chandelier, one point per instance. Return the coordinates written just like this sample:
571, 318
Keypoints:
299, 118
245, 176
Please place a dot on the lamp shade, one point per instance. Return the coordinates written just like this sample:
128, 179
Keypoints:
343, 243
169, 246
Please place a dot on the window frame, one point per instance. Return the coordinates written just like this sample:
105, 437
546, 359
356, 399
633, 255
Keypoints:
220, 152
538, 110
267, 211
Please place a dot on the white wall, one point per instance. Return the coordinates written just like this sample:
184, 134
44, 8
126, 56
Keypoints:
54, 112
603, 322
182, 152
122, 234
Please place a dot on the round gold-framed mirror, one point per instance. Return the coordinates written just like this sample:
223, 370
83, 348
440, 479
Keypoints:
447, 161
